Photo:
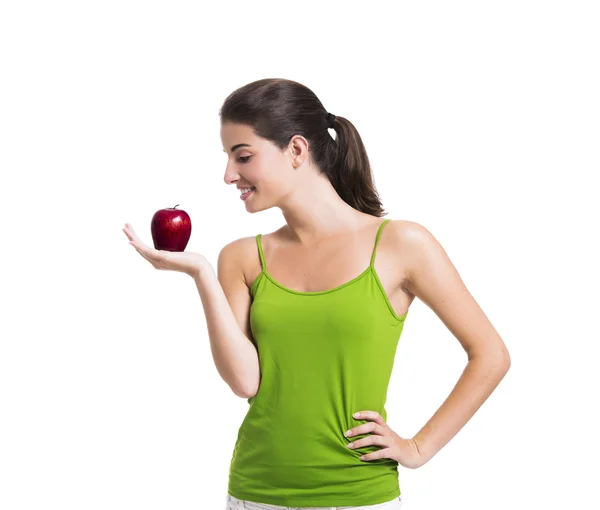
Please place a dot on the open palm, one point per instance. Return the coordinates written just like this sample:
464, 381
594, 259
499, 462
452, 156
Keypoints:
183, 261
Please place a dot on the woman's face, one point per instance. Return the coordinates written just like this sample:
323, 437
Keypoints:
255, 162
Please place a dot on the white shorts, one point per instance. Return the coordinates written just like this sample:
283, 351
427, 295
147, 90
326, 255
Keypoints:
242, 504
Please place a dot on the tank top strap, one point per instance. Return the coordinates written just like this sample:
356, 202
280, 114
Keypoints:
261, 253
377, 241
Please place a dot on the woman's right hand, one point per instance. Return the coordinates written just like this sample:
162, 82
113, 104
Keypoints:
186, 262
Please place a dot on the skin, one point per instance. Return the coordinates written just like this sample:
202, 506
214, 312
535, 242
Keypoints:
284, 179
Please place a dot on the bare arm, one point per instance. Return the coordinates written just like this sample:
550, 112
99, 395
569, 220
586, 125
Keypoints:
226, 303
432, 277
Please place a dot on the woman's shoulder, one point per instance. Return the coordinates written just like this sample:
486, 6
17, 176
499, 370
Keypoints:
406, 229
416, 242
409, 237
244, 251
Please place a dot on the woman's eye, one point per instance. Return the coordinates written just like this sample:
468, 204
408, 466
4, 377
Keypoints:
244, 158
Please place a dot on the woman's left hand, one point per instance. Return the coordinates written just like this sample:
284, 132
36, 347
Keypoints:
403, 451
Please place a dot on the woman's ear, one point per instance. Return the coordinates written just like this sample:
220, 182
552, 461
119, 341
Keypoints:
298, 150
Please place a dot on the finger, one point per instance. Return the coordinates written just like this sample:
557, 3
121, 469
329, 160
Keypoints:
149, 259
146, 251
132, 240
136, 243
368, 441
152, 255
379, 454
140, 248
131, 232
366, 428
143, 250
370, 415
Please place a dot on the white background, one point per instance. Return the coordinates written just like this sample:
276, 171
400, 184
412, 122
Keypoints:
481, 121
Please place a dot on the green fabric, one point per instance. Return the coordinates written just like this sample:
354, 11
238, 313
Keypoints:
323, 356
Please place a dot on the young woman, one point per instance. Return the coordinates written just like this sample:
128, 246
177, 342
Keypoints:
304, 321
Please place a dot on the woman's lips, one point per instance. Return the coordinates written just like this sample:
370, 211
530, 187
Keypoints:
244, 196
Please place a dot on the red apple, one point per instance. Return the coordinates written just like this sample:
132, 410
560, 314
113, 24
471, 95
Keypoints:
171, 229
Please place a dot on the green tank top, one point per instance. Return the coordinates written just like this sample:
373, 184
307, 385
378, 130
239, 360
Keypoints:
323, 356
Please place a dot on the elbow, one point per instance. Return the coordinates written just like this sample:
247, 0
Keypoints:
502, 361
245, 394
505, 359
495, 361
503, 364
250, 388
241, 393
247, 386
250, 393
498, 357
245, 391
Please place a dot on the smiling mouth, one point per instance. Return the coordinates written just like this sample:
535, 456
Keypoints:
243, 196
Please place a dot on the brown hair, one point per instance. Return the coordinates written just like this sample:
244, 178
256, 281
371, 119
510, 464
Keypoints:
277, 109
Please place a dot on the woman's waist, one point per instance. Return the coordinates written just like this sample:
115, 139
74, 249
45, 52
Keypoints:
285, 442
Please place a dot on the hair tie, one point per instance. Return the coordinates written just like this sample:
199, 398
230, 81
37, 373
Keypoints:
331, 120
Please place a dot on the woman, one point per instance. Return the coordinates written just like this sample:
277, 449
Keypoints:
323, 300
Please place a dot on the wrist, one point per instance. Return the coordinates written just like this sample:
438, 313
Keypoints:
420, 449
202, 269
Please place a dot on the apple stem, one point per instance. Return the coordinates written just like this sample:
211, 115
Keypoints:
176, 206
